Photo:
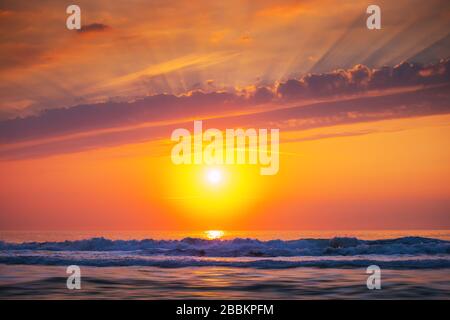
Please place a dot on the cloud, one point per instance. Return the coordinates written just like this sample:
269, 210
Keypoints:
263, 95
94, 27
361, 78
81, 118
343, 94
321, 136
422, 102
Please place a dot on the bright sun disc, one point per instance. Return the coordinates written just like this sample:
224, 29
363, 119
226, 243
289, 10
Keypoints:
214, 176
214, 234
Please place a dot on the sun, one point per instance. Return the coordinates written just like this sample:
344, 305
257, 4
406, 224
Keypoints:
212, 195
214, 176
214, 234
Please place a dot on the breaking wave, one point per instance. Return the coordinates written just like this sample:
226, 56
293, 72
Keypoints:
406, 252
247, 247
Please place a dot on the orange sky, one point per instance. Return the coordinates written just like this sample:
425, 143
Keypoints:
360, 148
175, 46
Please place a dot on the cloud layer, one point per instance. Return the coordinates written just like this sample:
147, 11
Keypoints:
342, 96
361, 78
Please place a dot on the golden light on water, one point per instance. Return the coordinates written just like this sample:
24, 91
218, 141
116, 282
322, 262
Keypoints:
214, 234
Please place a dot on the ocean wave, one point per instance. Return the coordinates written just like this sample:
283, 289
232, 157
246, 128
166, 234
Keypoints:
339, 246
258, 263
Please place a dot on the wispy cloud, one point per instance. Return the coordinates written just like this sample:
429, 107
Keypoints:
93, 27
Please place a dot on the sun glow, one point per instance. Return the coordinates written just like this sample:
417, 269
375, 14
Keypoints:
213, 195
214, 234
214, 176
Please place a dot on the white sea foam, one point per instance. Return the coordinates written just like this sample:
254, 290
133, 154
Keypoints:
406, 252
247, 247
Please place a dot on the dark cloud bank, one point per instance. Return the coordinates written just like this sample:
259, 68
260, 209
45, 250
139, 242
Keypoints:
430, 96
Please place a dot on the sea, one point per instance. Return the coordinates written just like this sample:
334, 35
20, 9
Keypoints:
221, 264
